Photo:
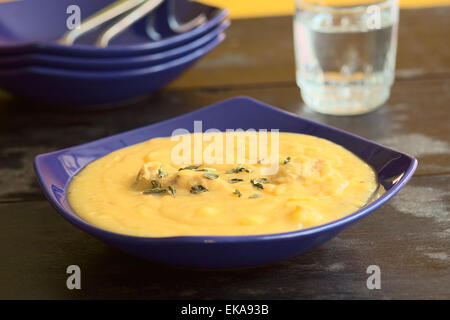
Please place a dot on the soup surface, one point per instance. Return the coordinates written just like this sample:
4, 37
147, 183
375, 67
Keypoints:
142, 189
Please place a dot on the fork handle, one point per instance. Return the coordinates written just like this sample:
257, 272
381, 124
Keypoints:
127, 21
106, 14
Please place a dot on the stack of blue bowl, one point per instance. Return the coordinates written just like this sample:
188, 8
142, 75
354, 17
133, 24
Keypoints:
34, 65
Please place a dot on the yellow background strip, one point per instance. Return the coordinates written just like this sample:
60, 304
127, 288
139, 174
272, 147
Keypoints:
263, 8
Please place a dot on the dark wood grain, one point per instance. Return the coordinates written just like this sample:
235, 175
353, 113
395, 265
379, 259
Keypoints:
408, 238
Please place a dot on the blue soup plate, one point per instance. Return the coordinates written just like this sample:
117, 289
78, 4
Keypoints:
56, 169
87, 89
25, 27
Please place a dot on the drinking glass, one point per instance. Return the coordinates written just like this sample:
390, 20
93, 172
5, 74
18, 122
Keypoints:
345, 53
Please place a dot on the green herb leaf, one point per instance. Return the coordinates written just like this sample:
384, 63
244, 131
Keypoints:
162, 173
238, 169
256, 184
172, 190
197, 189
154, 191
256, 195
206, 169
237, 192
235, 180
155, 184
210, 175
189, 168
288, 159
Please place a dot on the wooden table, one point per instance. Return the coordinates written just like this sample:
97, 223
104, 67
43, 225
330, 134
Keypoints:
408, 238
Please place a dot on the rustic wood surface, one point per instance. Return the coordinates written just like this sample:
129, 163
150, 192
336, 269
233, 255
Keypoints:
408, 238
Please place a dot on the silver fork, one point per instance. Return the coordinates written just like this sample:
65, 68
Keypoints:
173, 22
106, 14
127, 21
178, 27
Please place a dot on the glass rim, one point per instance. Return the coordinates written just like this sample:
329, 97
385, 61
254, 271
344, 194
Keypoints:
357, 8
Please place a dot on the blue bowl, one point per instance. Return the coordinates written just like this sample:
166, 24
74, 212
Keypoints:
94, 89
56, 169
106, 63
22, 30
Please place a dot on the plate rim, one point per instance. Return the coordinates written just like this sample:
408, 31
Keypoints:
116, 74
45, 57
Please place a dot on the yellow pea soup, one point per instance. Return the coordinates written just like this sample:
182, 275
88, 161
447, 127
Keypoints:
141, 190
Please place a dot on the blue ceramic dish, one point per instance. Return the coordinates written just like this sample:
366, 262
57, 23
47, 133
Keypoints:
56, 169
94, 89
106, 63
22, 30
